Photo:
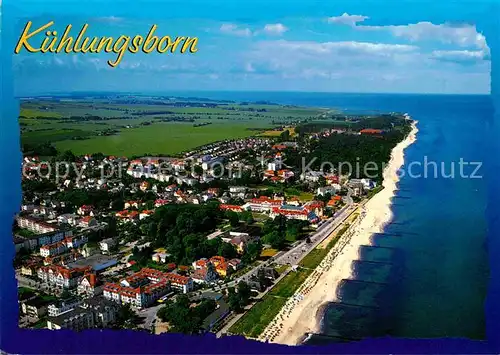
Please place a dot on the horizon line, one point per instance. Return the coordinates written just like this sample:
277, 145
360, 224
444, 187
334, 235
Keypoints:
172, 92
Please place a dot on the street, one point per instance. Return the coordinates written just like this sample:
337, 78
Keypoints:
301, 248
150, 315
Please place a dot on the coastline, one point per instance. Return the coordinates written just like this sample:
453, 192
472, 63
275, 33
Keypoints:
294, 323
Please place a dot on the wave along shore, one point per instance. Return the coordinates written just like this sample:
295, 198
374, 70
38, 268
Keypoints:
302, 313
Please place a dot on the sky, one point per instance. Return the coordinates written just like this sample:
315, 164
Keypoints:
316, 49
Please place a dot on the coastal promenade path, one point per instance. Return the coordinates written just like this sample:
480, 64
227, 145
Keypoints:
301, 249
320, 236
237, 317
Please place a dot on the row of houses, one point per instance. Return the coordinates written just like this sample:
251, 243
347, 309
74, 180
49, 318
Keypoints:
311, 211
36, 225
32, 242
209, 270
63, 246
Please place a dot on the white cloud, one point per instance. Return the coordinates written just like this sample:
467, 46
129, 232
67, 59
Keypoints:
346, 19
276, 29
462, 35
350, 65
336, 47
249, 68
230, 28
109, 19
458, 56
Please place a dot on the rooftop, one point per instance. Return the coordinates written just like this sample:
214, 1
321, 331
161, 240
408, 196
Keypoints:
93, 260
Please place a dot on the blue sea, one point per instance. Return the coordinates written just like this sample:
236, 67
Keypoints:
426, 275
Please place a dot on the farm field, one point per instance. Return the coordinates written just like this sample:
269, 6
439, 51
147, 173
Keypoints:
158, 139
276, 133
134, 125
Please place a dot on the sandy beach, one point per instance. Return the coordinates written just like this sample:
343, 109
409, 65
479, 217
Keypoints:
302, 313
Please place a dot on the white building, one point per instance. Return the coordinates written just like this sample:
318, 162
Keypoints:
107, 244
160, 257
56, 309
311, 176
276, 164
332, 190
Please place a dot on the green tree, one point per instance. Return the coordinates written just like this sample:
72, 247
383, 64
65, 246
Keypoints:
252, 252
275, 239
198, 170
292, 232
126, 317
66, 156
244, 293
227, 250
233, 217
247, 216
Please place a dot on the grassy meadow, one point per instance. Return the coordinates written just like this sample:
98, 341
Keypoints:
161, 138
132, 125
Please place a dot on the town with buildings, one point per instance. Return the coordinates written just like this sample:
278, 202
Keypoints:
125, 243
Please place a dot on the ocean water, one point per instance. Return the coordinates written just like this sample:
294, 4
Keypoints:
426, 275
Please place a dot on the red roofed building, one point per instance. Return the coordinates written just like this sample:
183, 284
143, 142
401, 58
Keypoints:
262, 204
279, 146
145, 287
233, 208
205, 275
61, 276
235, 263
277, 179
122, 214
371, 131
161, 202
286, 174
86, 210
332, 179
88, 221
88, 285
136, 162
214, 191
35, 225
133, 215
268, 174
334, 201
53, 249
127, 215
200, 264
144, 186
315, 206
294, 212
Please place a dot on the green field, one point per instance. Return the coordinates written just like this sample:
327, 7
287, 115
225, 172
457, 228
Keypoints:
290, 283
135, 125
253, 323
314, 258
161, 138
39, 137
